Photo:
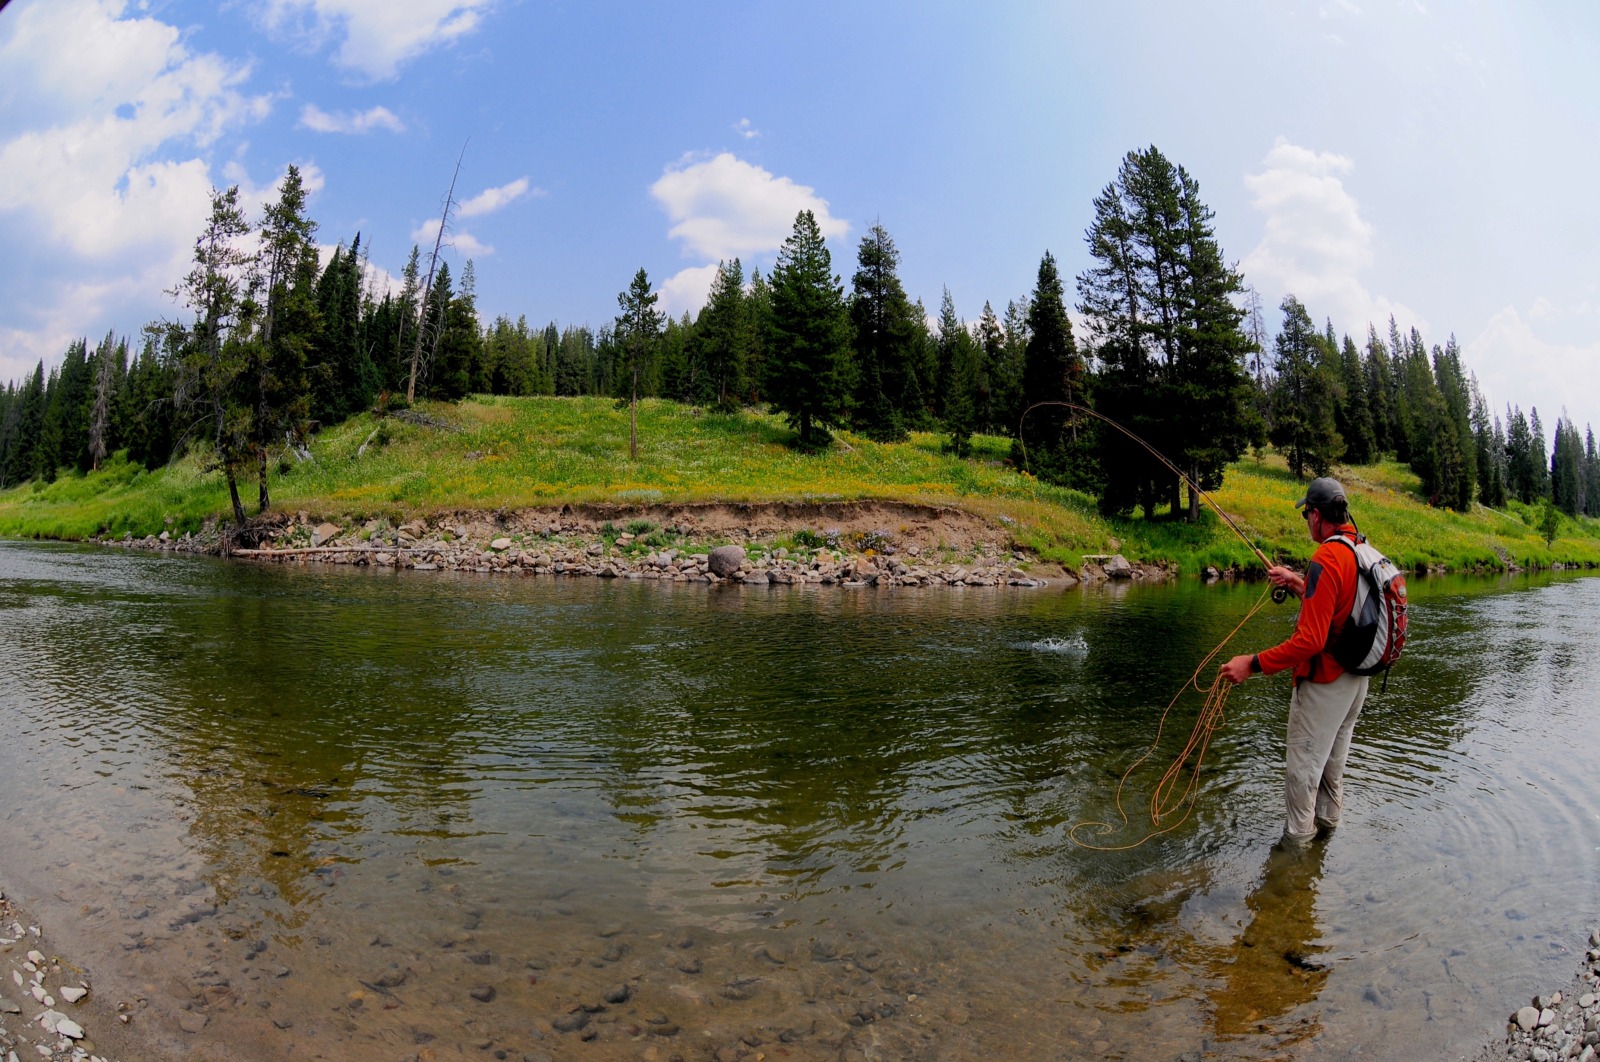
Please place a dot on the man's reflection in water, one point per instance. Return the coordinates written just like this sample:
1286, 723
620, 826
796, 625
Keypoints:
1272, 967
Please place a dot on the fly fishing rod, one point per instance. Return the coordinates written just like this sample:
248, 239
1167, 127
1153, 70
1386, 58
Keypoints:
1159, 456
1169, 804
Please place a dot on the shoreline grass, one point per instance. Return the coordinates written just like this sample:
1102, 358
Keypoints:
518, 453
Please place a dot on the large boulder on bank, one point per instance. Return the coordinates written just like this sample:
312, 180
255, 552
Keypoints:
1119, 568
327, 532
725, 560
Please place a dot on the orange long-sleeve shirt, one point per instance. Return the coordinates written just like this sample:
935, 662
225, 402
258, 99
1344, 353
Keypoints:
1324, 610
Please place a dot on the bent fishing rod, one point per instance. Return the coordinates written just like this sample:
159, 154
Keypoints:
1279, 594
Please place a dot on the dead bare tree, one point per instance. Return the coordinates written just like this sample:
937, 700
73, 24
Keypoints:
100, 413
427, 287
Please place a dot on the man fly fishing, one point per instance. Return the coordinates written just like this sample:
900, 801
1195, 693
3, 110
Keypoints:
1327, 697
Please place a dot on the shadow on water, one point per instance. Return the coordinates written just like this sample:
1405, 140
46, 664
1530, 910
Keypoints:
872, 790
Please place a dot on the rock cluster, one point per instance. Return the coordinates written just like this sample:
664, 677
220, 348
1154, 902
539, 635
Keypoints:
564, 549
32, 1024
1560, 1026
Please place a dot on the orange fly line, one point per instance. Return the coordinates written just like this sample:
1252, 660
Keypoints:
1168, 800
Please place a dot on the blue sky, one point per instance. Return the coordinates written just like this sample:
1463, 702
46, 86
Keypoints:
1431, 160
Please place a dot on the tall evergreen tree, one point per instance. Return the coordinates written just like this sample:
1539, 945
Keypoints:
1591, 475
1056, 441
1302, 397
988, 398
890, 393
809, 371
1360, 436
1538, 465
958, 377
1379, 381
1159, 302
213, 359
637, 331
1491, 484
21, 460
724, 337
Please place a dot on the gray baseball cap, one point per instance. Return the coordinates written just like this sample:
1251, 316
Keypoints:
1322, 491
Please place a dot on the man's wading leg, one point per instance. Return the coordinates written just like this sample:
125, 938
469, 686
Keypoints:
1322, 717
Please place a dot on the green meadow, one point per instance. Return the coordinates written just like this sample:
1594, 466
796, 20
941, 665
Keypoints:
518, 453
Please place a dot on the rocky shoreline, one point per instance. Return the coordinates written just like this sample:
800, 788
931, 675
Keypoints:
1561, 1025
47, 1006
579, 544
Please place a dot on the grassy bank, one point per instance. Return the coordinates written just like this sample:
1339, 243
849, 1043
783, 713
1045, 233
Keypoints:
517, 453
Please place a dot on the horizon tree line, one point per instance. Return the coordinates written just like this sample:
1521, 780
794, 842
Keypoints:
1174, 349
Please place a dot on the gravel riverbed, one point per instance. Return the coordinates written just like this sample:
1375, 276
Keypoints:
1561, 1025
48, 1005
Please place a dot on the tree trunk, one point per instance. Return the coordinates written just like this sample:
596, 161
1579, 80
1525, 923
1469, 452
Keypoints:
266, 500
233, 492
633, 418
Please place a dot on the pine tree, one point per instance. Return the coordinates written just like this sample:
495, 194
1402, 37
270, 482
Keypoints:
1591, 475
637, 331
809, 371
1491, 486
21, 458
1522, 479
991, 338
1054, 445
1302, 398
213, 361
1360, 441
1380, 393
1456, 397
1159, 303
104, 369
958, 377
890, 392
1539, 468
759, 323
1567, 481
723, 336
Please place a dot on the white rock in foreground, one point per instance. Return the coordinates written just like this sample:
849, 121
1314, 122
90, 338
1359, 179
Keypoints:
72, 995
68, 1027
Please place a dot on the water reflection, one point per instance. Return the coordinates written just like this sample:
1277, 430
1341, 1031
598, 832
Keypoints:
312, 758
1274, 966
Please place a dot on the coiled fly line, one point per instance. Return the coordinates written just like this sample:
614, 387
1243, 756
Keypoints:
1170, 805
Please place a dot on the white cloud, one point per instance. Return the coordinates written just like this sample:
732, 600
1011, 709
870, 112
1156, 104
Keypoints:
687, 289
375, 36
318, 120
492, 199
1316, 244
724, 207
1514, 364
464, 242
745, 129
103, 171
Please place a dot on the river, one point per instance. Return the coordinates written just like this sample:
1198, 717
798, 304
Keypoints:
328, 812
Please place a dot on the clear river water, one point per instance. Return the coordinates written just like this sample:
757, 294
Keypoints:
355, 814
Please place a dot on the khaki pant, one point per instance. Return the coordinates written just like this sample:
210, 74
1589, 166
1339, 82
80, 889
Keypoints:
1322, 716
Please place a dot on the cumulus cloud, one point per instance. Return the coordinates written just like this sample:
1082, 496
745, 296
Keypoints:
375, 36
723, 208
318, 120
464, 242
745, 129
687, 290
1515, 364
93, 181
103, 175
491, 199
1316, 244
